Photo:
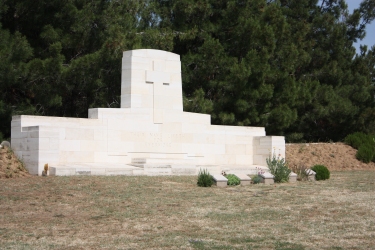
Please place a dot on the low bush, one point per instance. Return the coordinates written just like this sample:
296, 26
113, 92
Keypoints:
204, 178
365, 153
356, 139
365, 143
322, 172
232, 180
278, 168
256, 179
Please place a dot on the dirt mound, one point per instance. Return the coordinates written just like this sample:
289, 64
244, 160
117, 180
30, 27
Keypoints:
335, 156
10, 166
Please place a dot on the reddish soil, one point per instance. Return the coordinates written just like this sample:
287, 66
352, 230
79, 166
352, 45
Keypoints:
10, 166
335, 156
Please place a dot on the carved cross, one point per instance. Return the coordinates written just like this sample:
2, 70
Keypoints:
159, 79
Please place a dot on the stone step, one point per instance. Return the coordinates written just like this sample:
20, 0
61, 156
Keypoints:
94, 169
144, 169
160, 160
247, 170
170, 169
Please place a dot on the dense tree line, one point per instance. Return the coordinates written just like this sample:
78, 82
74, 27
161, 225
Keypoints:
288, 65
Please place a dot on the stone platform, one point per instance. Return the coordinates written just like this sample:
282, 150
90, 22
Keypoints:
147, 169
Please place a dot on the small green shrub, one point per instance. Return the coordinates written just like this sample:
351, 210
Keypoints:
365, 143
356, 139
204, 178
322, 172
256, 179
278, 168
366, 153
233, 180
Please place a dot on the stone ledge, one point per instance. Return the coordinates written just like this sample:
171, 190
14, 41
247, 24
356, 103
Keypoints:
267, 178
292, 177
311, 174
220, 180
245, 180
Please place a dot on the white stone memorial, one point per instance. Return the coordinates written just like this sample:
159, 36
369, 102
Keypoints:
149, 135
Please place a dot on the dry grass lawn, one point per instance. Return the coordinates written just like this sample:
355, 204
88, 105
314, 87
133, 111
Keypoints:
139, 212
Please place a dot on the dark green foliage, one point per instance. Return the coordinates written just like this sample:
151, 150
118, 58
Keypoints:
287, 65
204, 178
357, 139
322, 172
256, 179
232, 180
365, 153
365, 143
278, 168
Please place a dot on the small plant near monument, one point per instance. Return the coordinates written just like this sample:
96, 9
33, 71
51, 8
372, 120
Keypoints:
256, 179
232, 180
278, 168
260, 171
204, 178
322, 172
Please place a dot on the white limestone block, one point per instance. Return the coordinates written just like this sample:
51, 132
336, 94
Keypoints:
244, 159
267, 178
235, 149
158, 65
135, 62
98, 171
249, 149
220, 180
176, 82
70, 145
115, 171
135, 53
173, 57
126, 101
173, 67
157, 77
159, 54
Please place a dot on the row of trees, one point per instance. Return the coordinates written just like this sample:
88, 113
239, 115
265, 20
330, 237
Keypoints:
288, 65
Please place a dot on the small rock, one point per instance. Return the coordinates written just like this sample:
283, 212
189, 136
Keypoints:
5, 144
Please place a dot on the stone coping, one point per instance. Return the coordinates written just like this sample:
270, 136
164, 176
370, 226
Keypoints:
267, 175
310, 172
219, 178
243, 177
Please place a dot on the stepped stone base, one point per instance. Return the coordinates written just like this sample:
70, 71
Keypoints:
150, 169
